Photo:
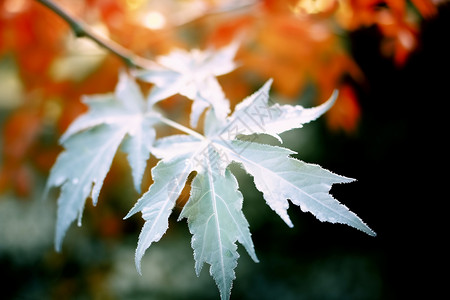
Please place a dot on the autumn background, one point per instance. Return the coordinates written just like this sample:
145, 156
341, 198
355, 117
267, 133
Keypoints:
390, 62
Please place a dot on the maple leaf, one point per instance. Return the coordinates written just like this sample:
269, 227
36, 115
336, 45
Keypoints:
214, 208
257, 114
215, 217
91, 142
192, 74
156, 204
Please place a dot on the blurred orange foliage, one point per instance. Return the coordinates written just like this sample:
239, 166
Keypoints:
296, 42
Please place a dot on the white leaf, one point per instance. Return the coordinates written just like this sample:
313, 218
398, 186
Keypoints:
91, 142
157, 203
180, 155
125, 108
214, 210
125, 105
281, 177
257, 114
129, 94
192, 74
80, 171
103, 109
214, 213
138, 146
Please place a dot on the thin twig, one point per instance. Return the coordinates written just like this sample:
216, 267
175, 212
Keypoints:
80, 29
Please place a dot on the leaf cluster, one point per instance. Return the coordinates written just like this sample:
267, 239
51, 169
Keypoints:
126, 119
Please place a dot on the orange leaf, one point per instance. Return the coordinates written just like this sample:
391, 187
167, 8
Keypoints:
346, 112
20, 132
426, 8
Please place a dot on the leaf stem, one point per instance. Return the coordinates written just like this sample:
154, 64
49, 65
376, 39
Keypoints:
80, 29
181, 127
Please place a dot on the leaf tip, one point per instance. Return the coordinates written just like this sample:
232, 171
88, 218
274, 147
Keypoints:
254, 257
369, 231
268, 83
137, 261
132, 211
137, 185
58, 243
334, 95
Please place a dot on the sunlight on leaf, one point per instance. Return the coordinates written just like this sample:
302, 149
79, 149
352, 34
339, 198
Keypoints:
192, 74
90, 145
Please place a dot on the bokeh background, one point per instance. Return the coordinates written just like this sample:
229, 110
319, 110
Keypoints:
390, 61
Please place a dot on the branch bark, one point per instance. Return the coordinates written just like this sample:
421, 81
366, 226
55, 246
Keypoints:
80, 29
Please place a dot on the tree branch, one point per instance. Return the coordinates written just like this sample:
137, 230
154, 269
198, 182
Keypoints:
80, 29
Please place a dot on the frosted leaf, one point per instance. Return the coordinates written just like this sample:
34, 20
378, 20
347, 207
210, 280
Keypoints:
80, 171
192, 74
214, 209
125, 104
281, 177
214, 213
90, 144
260, 115
157, 203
